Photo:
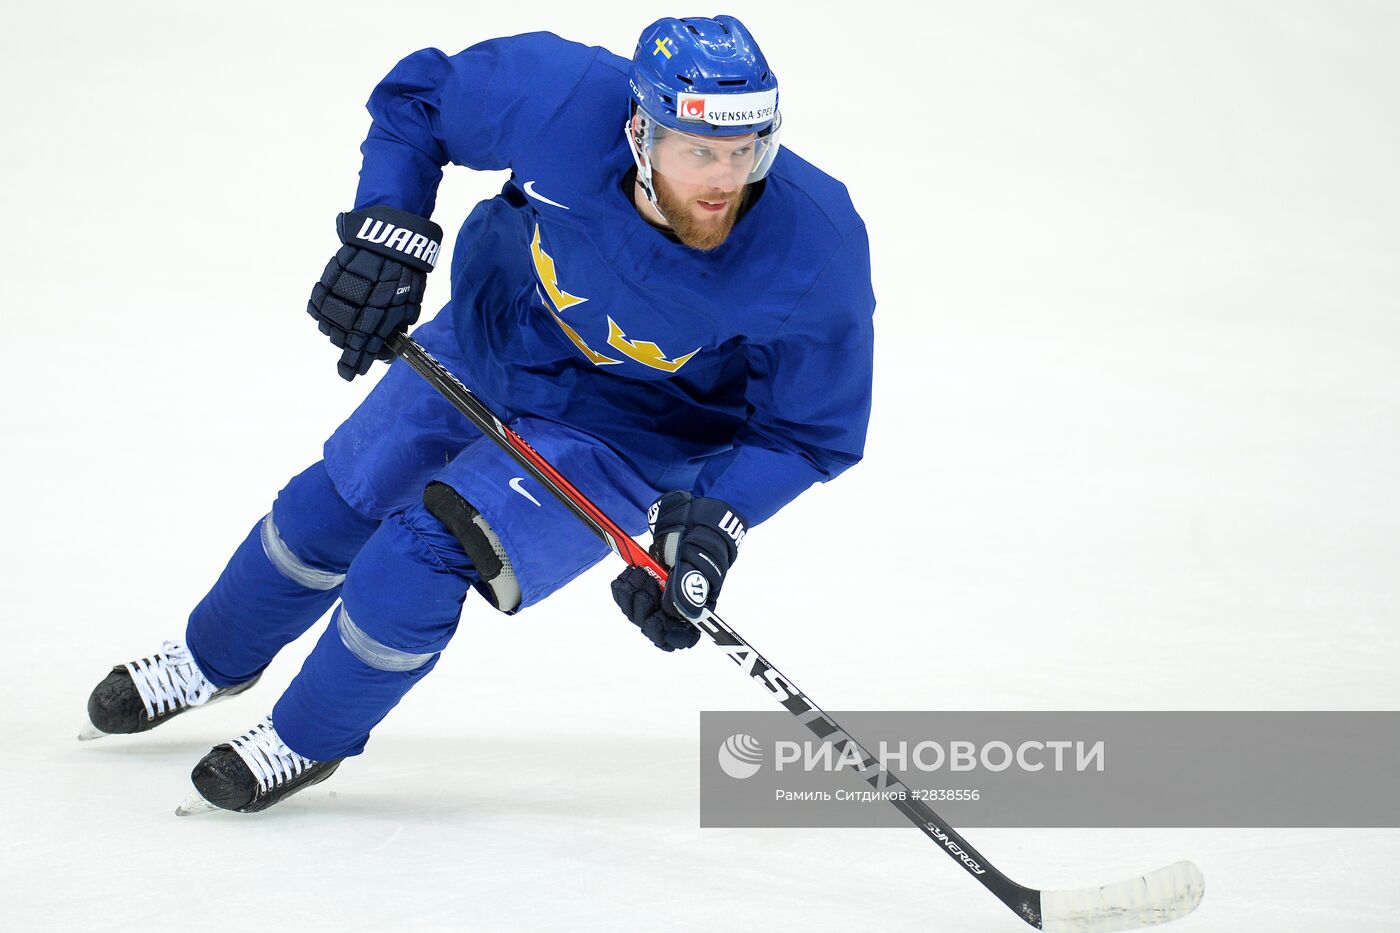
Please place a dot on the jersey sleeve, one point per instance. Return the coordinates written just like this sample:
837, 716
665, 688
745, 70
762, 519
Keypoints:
477, 108
808, 394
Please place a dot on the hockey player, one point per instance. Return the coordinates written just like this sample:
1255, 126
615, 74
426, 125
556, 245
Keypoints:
672, 311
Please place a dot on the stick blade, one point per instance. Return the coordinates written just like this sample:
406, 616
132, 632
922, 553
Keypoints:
1147, 900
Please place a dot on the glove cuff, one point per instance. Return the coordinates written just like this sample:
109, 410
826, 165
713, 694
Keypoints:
718, 515
678, 513
407, 238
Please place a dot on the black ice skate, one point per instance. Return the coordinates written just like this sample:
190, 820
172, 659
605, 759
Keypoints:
142, 694
251, 773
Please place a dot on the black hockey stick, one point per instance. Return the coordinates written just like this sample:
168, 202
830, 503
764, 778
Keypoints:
1156, 897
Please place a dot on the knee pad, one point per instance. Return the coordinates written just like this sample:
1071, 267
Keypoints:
312, 534
479, 541
403, 596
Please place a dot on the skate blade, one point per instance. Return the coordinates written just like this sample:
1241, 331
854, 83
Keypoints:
194, 805
89, 732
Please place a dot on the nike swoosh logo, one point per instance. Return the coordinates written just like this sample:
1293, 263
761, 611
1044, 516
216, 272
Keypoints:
518, 484
530, 190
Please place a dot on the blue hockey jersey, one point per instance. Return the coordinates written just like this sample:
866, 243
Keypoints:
742, 373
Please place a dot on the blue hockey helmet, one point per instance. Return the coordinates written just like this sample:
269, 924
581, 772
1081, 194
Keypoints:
699, 79
704, 76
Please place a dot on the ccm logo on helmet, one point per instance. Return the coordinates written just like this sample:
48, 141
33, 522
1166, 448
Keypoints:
728, 109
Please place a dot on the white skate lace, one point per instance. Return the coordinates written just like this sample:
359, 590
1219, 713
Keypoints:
268, 757
169, 679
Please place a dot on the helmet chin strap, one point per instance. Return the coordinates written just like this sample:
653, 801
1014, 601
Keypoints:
643, 163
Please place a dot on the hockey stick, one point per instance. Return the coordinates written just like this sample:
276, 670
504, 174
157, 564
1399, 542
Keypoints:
1156, 897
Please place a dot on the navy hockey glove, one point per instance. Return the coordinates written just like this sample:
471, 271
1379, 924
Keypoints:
698, 541
373, 287
639, 598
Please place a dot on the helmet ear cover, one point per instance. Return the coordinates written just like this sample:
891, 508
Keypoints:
639, 133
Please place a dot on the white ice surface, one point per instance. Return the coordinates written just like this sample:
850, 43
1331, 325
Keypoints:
1135, 446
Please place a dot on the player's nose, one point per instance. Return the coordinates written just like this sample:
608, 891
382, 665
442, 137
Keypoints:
727, 176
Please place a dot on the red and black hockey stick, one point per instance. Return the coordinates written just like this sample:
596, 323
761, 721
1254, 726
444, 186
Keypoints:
1156, 897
